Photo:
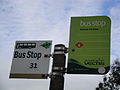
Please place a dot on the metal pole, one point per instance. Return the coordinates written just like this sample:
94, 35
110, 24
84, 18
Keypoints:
58, 68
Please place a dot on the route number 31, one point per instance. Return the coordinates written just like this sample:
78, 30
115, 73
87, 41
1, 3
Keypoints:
33, 65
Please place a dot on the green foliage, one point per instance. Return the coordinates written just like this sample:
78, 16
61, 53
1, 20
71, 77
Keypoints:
112, 80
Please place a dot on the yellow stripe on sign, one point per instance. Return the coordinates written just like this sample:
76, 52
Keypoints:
30, 76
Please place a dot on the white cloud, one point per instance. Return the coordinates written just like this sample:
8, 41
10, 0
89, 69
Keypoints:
115, 14
82, 82
86, 7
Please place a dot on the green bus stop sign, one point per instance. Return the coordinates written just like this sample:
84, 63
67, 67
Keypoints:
89, 46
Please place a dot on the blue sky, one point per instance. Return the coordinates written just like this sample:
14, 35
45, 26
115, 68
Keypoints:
50, 20
107, 6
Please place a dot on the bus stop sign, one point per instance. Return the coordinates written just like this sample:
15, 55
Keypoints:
89, 45
31, 59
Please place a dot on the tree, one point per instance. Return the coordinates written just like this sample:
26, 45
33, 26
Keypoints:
112, 80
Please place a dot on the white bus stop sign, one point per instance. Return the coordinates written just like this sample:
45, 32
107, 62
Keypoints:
31, 59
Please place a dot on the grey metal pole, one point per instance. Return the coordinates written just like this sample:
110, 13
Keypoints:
58, 68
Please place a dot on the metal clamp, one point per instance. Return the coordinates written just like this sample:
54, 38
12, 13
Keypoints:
60, 49
59, 68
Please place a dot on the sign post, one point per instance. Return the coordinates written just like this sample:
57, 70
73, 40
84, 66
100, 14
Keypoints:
31, 59
89, 46
58, 68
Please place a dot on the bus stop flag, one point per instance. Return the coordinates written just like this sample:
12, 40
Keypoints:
89, 45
